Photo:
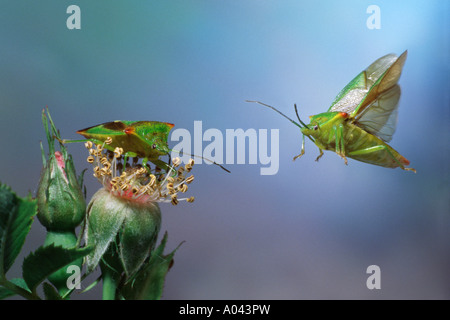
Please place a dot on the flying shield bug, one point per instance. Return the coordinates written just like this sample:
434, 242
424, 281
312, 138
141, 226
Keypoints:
362, 119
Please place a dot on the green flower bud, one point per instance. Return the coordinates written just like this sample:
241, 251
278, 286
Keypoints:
60, 201
61, 204
127, 227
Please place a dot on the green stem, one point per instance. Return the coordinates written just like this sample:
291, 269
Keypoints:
66, 239
20, 291
109, 284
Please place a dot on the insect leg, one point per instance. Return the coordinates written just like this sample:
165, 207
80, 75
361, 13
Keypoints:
144, 164
169, 160
339, 138
161, 164
125, 160
158, 163
379, 148
303, 148
127, 155
320, 155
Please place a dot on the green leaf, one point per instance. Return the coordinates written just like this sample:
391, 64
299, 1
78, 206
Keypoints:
5, 292
16, 217
149, 282
50, 292
50, 139
38, 265
81, 177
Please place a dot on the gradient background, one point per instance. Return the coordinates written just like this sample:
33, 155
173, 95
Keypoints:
308, 232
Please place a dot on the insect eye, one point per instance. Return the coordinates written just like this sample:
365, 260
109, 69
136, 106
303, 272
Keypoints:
154, 146
316, 127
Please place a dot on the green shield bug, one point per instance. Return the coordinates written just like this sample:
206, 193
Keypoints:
362, 119
138, 139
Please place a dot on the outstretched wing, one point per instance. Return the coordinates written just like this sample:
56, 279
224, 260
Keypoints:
371, 89
380, 117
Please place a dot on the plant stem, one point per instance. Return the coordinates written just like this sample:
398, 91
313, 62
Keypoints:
109, 284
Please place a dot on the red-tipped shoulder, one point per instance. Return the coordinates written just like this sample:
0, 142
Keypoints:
171, 125
343, 114
128, 130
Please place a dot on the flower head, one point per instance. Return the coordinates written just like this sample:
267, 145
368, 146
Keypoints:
124, 217
134, 182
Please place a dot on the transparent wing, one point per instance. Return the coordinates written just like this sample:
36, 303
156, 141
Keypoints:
361, 92
380, 117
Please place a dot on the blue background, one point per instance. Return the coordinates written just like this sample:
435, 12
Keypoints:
308, 232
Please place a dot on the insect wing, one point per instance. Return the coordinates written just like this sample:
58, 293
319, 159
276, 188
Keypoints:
382, 75
361, 91
372, 96
380, 117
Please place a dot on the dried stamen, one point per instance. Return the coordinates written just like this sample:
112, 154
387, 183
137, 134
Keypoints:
133, 181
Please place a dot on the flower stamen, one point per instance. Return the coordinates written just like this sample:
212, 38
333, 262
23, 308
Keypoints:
133, 182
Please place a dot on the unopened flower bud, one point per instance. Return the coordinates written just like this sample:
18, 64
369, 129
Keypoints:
61, 204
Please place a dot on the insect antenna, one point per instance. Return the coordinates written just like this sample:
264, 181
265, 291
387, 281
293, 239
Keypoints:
296, 111
200, 157
306, 126
275, 109
298, 117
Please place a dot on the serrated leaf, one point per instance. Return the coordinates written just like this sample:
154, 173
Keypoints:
149, 283
38, 265
16, 217
50, 292
5, 292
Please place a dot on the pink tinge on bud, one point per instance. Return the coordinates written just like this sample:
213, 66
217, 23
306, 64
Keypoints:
129, 195
60, 159
61, 164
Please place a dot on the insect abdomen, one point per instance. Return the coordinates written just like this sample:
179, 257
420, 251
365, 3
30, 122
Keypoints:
361, 142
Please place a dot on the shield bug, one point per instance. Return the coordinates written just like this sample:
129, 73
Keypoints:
362, 118
138, 139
